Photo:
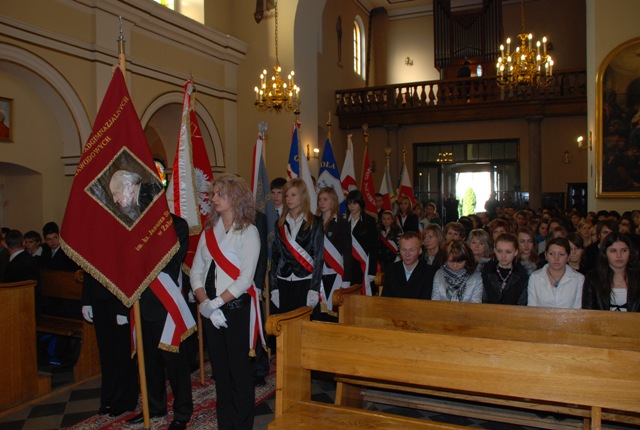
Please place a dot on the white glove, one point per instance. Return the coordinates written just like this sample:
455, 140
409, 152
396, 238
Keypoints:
218, 319
206, 308
122, 320
312, 298
275, 298
87, 313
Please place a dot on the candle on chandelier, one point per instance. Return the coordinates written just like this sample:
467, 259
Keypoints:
530, 37
544, 43
508, 45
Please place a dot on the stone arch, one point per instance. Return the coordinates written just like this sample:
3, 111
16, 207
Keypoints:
58, 93
171, 104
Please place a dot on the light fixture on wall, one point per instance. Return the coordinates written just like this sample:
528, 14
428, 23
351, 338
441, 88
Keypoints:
312, 153
566, 157
273, 93
408, 61
584, 145
527, 66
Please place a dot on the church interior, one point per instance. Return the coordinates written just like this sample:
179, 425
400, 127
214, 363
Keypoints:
382, 74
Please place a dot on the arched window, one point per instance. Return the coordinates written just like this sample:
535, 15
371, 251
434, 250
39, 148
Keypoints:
193, 9
358, 46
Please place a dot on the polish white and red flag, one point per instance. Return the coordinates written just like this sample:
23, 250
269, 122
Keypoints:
348, 175
406, 186
190, 184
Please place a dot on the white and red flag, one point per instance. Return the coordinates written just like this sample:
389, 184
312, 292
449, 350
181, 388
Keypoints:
386, 189
117, 225
190, 184
406, 186
348, 175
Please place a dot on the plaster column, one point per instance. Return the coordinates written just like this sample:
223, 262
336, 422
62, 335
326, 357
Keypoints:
535, 161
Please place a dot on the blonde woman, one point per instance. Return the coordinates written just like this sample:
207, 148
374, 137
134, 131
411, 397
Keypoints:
297, 253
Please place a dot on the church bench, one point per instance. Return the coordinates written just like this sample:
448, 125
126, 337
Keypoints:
587, 377
582, 328
62, 287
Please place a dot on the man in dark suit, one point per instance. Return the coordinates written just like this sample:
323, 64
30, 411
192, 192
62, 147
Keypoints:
53, 257
119, 388
159, 362
411, 278
22, 266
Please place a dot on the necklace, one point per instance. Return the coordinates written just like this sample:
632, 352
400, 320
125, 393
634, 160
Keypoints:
504, 279
555, 282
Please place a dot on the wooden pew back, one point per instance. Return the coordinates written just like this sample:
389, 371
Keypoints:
60, 284
615, 330
590, 377
599, 377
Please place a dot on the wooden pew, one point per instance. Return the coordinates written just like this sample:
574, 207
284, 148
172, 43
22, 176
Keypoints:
68, 285
19, 368
596, 329
591, 378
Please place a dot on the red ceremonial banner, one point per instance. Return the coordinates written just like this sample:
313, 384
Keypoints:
117, 225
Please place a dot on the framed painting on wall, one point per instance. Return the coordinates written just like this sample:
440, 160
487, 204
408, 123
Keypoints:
618, 123
6, 116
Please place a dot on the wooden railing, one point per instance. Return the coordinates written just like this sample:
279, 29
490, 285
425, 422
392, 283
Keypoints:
480, 96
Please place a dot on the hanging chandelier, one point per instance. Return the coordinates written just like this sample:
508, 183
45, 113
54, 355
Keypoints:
273, 93
526, 67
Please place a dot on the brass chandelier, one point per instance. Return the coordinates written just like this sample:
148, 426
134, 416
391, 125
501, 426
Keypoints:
526, 67
273, 93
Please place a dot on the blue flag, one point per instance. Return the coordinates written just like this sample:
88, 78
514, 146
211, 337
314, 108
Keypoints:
329, 175
293, 166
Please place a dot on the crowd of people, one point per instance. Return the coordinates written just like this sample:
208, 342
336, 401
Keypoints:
506, 256
521, 257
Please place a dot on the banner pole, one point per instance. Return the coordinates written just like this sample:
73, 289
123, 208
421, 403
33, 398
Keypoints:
122, 63
201, 348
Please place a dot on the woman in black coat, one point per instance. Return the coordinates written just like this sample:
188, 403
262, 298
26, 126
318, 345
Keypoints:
614, 285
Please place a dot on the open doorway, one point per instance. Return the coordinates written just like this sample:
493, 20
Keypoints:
472, 191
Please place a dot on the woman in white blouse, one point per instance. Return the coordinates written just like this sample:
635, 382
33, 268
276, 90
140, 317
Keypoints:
556, 285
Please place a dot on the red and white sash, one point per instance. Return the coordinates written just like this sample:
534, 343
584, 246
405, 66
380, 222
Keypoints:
298, 252
219, 248
361, 256
391, 244
179, 323
334, 260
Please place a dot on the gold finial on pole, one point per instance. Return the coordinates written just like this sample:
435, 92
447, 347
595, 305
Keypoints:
365, 133
121, 48
329, 127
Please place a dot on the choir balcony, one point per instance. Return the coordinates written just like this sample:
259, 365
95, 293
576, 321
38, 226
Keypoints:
455, 100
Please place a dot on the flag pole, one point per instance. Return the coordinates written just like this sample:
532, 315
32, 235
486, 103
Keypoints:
136, 305
201, 348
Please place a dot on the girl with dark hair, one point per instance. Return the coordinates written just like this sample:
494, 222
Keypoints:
504, 279
336, 272
297, 253
527, 249
458, 280
615, 282
364, 240
577, 258
556, 285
